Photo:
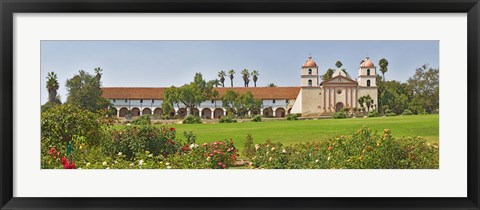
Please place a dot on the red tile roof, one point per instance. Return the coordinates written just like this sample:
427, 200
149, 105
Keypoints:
157, 93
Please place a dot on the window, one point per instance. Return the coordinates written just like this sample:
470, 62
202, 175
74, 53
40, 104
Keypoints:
368, 83
273, 101
153, 101
286, 101
339, 92
213, 101
368, 71
126, 100
309, 82
141, 100
114, 100
310, 71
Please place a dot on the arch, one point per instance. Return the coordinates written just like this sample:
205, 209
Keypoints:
135, 112
255, 111
368, 71
280, 113
158, 111
218, 112
195, 112
114, 111
146, 111
123, 112
206, 113
310, 71
368, 83
267, 112
309, 82
338, 107
182, 112
172, 113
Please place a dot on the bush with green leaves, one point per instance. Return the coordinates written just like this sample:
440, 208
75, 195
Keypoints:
389, 113
257, 118
61, 123
373, 113
142, 120
130, 140
407, 112
363, 149
292, 117
227, 119
340, 115
191, 119
248, 147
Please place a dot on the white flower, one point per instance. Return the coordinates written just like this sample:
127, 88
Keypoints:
167, 164
88, 164
328, 158
284, 151
209, 158
257, 147
132, 164
273, 148
104, 163
128, 124
120, 153
150, 155
169, 167
193, 146
270, 159
316, 161
80, 168
108, 168
140, 162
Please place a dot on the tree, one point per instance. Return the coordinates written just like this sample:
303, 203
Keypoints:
98, 73
271, 85
246, 77
367, 100
383, 63
52, 87
231, 73
328, 75
191, 95
222, 75
424, 87
85, 90
338, 64
216, 82
255, 77
240, 104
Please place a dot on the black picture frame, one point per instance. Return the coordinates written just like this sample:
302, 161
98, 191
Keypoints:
9, 7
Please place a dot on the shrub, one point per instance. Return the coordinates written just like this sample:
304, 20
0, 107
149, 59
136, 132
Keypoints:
346, 109
142, 120
60, 124
130, 140
292, 117
227, 119
407, 112
339, 115
248, 147
364, 149
373, 113
389, 113
257, 118
191, 119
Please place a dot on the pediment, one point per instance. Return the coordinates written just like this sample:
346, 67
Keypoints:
339, 80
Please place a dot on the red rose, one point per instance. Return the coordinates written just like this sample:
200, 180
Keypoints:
329, 148
172, 129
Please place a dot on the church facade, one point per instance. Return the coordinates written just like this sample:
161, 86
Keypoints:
312, 98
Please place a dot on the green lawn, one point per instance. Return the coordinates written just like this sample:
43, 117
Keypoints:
290, 132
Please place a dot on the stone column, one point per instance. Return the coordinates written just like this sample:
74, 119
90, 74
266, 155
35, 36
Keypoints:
324, 99
212, 114
346, 97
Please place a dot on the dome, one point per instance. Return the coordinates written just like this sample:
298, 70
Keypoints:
367, 63
310, 62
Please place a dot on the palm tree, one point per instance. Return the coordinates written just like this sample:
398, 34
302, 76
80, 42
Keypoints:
339, 64
52, 86
98, 72
216, 82
246, 77
255, 77
383, 63
271, 85
222, 75
231, 73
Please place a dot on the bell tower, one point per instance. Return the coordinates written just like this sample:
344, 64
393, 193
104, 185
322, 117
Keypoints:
367, 74
309, 73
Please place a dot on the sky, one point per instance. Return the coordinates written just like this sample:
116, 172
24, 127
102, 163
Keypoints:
167, 63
